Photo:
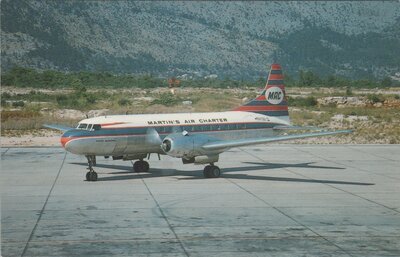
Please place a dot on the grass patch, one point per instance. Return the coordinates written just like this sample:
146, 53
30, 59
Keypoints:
302, 102
167, 99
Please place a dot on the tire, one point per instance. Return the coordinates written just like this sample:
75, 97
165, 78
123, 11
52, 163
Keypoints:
206, 171
141, 166
93, 176
214, 172
136, 166
146, 166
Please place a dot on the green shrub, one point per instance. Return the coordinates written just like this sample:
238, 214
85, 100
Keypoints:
349, 92
374, 98
302, 102
66, 101
386, 82
124, 102
4, 103
166, 99
90, 98
5, 96
18, 104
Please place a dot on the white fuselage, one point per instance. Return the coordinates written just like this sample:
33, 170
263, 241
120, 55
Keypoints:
120, 135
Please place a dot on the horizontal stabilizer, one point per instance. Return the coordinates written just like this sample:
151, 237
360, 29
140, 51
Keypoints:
253, 141
57, 127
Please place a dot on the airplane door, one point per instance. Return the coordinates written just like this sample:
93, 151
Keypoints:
120, 146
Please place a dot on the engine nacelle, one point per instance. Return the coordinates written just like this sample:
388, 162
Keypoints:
186, 145
203, 159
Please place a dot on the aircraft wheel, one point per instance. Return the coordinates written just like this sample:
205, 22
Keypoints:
206, 171
211, 171
215, 172
141, 166
91, 176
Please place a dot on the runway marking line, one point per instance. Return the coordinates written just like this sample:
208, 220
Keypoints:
44, 207
165, 217
4, 153
340, 189
282, 212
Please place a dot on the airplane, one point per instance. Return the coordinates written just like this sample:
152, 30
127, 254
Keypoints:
196, 138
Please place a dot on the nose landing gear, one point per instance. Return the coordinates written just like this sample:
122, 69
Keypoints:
91, 175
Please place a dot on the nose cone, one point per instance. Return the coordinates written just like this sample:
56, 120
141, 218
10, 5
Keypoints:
66, 137
75, 141
64, 140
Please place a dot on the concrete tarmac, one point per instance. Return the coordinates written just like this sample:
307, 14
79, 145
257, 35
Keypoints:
273, 200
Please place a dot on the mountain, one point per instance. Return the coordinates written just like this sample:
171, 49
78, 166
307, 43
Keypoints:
230, 39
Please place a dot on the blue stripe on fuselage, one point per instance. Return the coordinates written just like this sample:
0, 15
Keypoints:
194, 128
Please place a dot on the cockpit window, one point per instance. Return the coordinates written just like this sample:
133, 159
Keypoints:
82, 126
89, 127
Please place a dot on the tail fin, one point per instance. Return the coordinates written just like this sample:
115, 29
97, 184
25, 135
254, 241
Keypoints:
272, 101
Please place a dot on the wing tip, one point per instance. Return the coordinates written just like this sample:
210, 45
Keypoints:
56, 127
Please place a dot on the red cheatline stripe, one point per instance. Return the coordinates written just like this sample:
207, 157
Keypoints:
262, 108
275, 76
112, 123
65, 140
275, 66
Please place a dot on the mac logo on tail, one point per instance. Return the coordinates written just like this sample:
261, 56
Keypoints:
274, 95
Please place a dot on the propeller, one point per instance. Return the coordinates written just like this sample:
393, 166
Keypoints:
166, 145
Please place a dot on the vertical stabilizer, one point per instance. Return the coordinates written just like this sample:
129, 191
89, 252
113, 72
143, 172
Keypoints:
272, 101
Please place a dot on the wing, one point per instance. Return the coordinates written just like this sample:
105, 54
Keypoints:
57, 127
296, 128
218, 145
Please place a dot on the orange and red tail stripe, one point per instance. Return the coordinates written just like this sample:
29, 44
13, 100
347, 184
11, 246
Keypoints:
261, 104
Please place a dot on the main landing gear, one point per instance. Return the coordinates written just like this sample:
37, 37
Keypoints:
141, 166
91, 175
211, 171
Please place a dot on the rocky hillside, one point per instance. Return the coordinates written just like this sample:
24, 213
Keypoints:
235, 39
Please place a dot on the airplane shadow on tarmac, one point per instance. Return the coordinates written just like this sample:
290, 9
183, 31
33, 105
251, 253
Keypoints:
125, 173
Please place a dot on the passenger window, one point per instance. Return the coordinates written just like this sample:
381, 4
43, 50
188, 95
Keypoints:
96, 127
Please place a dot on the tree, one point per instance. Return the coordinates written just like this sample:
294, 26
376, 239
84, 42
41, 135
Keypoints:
78, 86
386, 82
308, 78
